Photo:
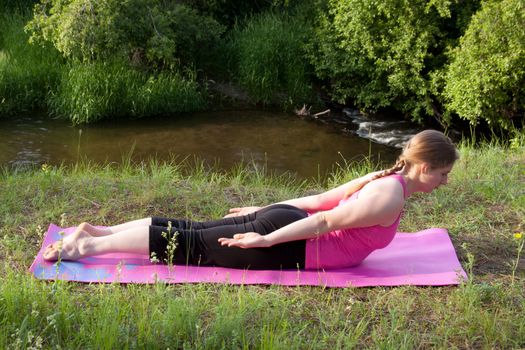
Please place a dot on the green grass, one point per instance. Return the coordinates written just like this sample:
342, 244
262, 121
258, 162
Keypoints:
27, 72
92, 91
482, 207
269, 59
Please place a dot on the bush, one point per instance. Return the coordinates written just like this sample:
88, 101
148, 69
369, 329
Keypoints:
27, 72
270, 55
92, 91
486, 77
153, 32
385, 53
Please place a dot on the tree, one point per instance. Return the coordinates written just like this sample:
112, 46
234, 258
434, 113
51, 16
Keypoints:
486, 77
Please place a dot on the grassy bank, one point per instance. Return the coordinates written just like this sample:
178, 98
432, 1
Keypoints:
483, 208
28, 73
88, 92
33, 77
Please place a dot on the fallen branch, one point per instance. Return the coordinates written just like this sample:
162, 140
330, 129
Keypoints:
321, 113
305, 111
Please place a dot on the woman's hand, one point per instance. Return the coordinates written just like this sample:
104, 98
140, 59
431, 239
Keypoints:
245, 240
241, 211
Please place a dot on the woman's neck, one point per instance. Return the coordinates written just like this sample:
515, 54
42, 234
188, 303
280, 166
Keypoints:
411, 177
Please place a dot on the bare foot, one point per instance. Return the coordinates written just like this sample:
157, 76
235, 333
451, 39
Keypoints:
72, 247
93, 230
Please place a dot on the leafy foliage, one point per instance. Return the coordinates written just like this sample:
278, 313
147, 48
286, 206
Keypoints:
486, 78
416, 57
157, 33
384, 53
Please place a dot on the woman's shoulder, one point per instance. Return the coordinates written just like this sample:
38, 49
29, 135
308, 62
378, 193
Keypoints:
383, 199
389, 187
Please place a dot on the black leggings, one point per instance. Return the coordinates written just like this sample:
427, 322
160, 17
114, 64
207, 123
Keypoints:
196, 243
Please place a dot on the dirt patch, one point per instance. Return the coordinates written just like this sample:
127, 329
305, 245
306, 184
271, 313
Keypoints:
492, 255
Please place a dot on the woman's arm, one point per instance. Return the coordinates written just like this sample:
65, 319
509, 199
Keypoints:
323, 201
380, 205
326, 200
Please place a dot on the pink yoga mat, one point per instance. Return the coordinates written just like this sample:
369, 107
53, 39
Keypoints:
425, 258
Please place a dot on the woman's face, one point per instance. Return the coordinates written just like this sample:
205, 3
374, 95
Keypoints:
432, 178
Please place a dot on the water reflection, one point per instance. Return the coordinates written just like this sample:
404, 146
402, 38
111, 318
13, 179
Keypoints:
281, 142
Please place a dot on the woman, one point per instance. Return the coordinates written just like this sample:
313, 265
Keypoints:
337, 228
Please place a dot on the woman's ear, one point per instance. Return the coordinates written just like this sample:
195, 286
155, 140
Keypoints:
425, 168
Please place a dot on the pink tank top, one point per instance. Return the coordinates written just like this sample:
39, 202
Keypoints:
349, 247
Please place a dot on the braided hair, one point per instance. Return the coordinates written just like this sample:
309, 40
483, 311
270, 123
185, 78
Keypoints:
429, 146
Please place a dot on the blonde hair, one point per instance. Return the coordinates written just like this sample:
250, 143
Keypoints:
429, 146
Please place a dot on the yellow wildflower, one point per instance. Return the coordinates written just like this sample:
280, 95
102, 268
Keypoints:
518, 235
